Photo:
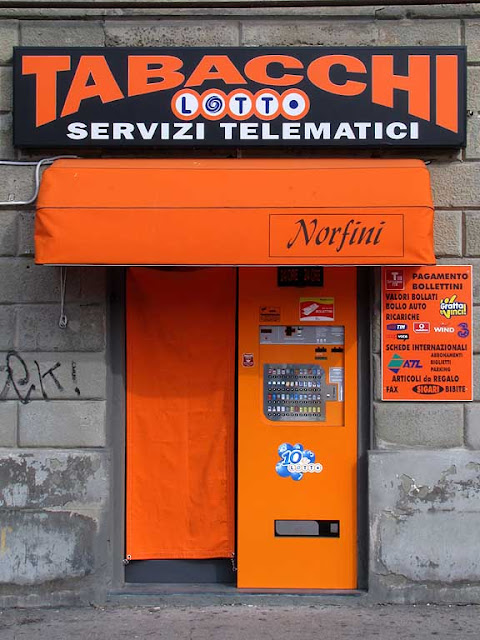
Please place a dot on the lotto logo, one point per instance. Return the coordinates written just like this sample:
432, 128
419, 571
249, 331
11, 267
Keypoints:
296, 461
240, 104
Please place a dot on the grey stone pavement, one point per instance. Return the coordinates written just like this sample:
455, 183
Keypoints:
244, 621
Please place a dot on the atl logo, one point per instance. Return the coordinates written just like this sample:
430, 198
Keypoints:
397, 363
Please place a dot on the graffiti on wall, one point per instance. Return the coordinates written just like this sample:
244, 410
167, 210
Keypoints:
19, 379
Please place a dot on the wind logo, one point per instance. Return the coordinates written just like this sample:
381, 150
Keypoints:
451, 307
397, 363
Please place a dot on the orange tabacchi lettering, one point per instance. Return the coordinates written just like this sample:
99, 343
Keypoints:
257, 70
46, 69
215, 68
104, 85
447, 94
338, 74
140, 74
320, 69
416, 84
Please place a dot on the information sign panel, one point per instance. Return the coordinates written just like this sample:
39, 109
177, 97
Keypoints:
427, 333
118, 97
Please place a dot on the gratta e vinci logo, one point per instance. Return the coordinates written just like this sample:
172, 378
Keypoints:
332, 97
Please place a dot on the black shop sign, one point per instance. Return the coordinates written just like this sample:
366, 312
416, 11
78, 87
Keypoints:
239, 97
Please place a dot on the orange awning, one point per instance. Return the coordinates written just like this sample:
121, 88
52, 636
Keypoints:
235, 212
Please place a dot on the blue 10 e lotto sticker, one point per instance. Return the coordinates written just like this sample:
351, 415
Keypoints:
296, 461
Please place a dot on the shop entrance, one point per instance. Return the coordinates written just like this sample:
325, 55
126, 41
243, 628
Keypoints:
193, 381
265, 355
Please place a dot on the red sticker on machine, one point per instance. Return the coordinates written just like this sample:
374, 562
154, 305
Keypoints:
247, 360
317, 309
394, 279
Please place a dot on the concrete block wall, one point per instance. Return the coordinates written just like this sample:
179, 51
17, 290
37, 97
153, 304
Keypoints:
54, 441
54, 464
424, 519
426, 442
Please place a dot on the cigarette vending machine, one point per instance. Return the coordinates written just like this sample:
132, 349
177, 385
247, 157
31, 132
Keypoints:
297, 428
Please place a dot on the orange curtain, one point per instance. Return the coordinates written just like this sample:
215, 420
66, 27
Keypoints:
180, 412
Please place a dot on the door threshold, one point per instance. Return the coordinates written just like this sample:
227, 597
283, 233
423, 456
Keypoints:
224, 594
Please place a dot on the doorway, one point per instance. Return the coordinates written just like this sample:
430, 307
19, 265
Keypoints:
184, 359
180, 493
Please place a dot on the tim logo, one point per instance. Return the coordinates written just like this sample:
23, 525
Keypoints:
397, 363
396, 327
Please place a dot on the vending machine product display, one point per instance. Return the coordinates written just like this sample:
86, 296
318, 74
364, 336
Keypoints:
297, 432
298, 392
